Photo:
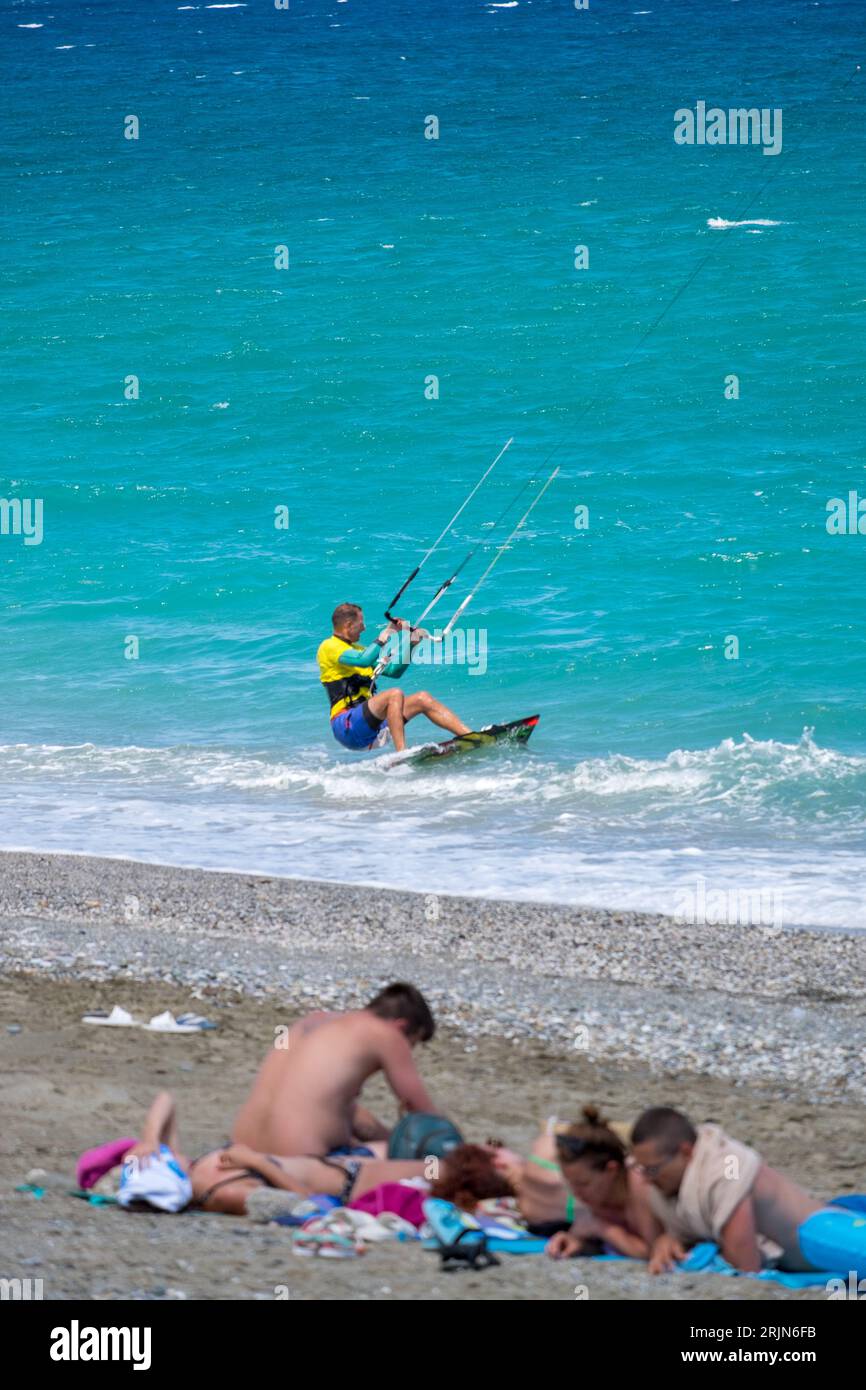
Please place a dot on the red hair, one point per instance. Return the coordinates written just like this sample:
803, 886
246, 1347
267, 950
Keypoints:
468, 1175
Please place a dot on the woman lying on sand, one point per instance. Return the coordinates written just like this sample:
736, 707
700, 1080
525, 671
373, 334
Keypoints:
577, 1176
614, 1196
155, 1171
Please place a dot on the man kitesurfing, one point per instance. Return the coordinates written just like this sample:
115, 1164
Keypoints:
362, 718
348, 672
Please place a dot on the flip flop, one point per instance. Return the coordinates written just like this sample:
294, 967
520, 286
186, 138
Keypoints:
118, 1018
167, 1023
328, 1244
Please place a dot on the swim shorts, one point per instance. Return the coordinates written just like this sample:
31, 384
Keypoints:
356, 728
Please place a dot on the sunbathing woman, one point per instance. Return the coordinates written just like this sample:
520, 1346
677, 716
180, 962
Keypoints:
543, 1197
157, 1173
615, 1212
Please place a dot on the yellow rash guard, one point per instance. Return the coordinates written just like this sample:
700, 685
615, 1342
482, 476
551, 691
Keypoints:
346, 671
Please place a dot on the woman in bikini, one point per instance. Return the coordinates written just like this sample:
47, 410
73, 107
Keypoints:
614, 1211
224, 1179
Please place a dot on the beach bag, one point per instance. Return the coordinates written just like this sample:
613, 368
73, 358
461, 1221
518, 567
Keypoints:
423, 1136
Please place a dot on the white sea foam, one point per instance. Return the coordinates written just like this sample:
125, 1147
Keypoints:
616, 831
720, 224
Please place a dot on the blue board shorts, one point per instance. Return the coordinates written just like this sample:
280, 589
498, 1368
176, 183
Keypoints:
356, 727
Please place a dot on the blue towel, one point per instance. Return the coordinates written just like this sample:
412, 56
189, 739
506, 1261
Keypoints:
705, 1257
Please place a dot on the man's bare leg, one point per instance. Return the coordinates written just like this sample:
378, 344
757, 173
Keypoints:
422, 702
388, 705
310, 1175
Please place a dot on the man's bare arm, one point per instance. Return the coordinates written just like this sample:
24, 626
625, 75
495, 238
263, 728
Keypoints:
365, 1126
739, 1242
398, 1064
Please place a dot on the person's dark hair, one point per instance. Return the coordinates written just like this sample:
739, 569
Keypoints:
591, 1141
400, 1000
467, 1176
665, 1127
344, 612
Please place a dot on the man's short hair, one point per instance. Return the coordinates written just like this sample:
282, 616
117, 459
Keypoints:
400, 1000
665, 1127
344, 612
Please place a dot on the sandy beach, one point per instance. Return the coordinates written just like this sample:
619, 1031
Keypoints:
540, 1010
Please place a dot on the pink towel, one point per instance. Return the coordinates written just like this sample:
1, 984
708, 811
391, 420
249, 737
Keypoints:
95, 1163
396, 1197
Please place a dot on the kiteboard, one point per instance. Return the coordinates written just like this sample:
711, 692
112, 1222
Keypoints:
518, 731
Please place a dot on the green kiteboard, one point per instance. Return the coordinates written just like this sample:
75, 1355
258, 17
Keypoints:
518, 731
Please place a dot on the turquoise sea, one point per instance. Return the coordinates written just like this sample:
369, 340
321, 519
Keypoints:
659, 762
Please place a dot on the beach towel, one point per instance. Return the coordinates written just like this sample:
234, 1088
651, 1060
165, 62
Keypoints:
708, 1259
393, 1197
719, 1177
155, 1179
95, 1163
459, 1235
344, 1232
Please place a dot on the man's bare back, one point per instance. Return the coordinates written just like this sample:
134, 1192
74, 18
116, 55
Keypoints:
305, 1096
781, 1206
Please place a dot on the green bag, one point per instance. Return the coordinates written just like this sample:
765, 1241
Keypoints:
423, 1136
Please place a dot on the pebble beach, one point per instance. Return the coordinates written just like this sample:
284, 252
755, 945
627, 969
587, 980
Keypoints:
539, 1009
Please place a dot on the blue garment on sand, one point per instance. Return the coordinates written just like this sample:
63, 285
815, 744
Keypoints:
354, 729
319, 1204
707, 1259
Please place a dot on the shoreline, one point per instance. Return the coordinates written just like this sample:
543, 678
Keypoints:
759, 1006
377, 886
615, 914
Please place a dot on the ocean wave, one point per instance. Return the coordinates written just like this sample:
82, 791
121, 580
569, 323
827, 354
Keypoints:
803, 779
783, 821
721, 223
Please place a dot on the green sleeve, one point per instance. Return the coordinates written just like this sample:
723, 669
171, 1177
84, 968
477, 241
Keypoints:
394, 669
368, 657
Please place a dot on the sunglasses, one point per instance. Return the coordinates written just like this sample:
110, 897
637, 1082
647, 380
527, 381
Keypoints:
651, 1170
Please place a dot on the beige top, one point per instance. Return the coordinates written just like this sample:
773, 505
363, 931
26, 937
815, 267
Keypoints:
720, 1175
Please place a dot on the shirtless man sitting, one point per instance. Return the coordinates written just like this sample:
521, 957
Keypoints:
305, 1097
705, 1186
